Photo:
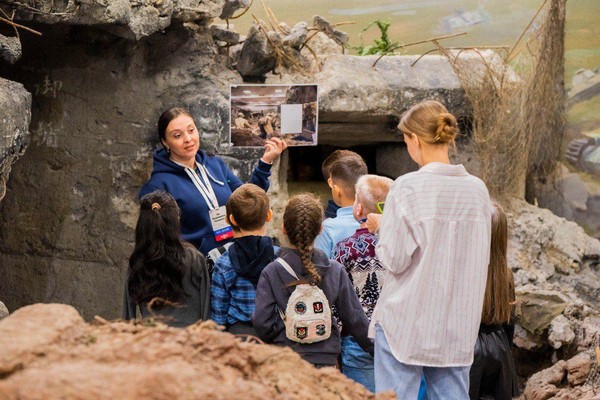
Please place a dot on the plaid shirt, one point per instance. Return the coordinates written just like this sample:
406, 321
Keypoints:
231, 297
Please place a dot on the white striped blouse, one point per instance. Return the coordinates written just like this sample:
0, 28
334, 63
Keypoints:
434, 241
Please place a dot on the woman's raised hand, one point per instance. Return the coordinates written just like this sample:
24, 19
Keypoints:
273, 148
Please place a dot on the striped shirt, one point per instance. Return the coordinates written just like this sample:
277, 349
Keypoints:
434, 242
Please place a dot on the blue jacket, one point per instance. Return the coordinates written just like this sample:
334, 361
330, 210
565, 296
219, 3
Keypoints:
195, 222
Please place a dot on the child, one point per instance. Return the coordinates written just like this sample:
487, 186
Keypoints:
332, 208
344, 174
493, 371
301, 224
166, 277
357, 254
237, 271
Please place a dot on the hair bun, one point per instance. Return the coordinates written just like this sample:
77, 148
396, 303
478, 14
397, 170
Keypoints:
447, 128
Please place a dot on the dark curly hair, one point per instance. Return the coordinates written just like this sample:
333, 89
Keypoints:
156, 266
302, 223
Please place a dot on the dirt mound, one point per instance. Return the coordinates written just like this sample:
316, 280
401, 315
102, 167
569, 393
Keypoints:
51, 345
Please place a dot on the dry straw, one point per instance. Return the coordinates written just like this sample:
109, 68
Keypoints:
518, 101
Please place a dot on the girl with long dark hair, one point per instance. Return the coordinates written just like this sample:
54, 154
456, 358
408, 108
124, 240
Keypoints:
166, 277
493, 373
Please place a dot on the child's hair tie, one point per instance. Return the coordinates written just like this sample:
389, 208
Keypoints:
155, 206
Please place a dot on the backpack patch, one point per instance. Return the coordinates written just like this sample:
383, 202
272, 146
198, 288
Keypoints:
307, 315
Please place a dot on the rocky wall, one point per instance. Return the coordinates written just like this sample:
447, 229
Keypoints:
66, 223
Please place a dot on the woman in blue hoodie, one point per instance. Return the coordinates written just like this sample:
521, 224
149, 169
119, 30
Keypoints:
200, 183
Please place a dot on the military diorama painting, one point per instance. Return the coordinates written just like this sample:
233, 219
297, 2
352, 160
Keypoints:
260, 112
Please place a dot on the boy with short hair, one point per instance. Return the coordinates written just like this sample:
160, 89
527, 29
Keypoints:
343, 176
237, 271
332, 208
357, 254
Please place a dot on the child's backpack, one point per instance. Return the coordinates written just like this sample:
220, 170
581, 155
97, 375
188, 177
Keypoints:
307, 315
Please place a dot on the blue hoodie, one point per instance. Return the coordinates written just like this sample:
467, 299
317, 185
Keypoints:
195, 222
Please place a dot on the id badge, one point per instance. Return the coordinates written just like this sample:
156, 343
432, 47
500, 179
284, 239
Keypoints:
219, 223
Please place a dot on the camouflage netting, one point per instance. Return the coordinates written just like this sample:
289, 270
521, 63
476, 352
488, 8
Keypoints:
518, 100
50, 345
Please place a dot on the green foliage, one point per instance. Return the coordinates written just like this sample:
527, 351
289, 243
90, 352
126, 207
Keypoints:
383, 45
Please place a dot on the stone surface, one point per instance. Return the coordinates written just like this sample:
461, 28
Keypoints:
257, 56
536, 309
297, 35
224, 34
67, 358
578, 369
10, 48
364, 103
560, 332
129, 19
3, 310
231, 6
33, 330
15, 115
562, 381
555, 253
66, 223
330, 30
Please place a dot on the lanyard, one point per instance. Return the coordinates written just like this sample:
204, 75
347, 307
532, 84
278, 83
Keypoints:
203, 186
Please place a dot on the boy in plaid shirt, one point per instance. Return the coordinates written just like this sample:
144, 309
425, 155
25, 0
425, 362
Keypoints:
237, 271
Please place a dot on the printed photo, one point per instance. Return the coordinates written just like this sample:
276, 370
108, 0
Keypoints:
259, 112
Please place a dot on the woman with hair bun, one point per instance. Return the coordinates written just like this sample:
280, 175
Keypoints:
434, 242
166, 277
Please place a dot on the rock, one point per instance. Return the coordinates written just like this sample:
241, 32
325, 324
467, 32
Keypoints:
15, 116
10, 48
200, 11
578, 369
297, 36
223, 34
560, 332
331, 31
129, 19
536, 309
257, 56
557, 252
527, 340
31, 331
543, 385
231, 6
3, 311
322, 45
562, 381
67, 358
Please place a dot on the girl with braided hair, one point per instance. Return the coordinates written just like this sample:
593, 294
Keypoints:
301, 225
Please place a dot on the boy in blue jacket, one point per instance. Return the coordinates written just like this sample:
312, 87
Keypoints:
237, 271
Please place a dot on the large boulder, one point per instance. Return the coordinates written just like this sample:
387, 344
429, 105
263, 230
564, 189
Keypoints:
51, 346
15, 115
